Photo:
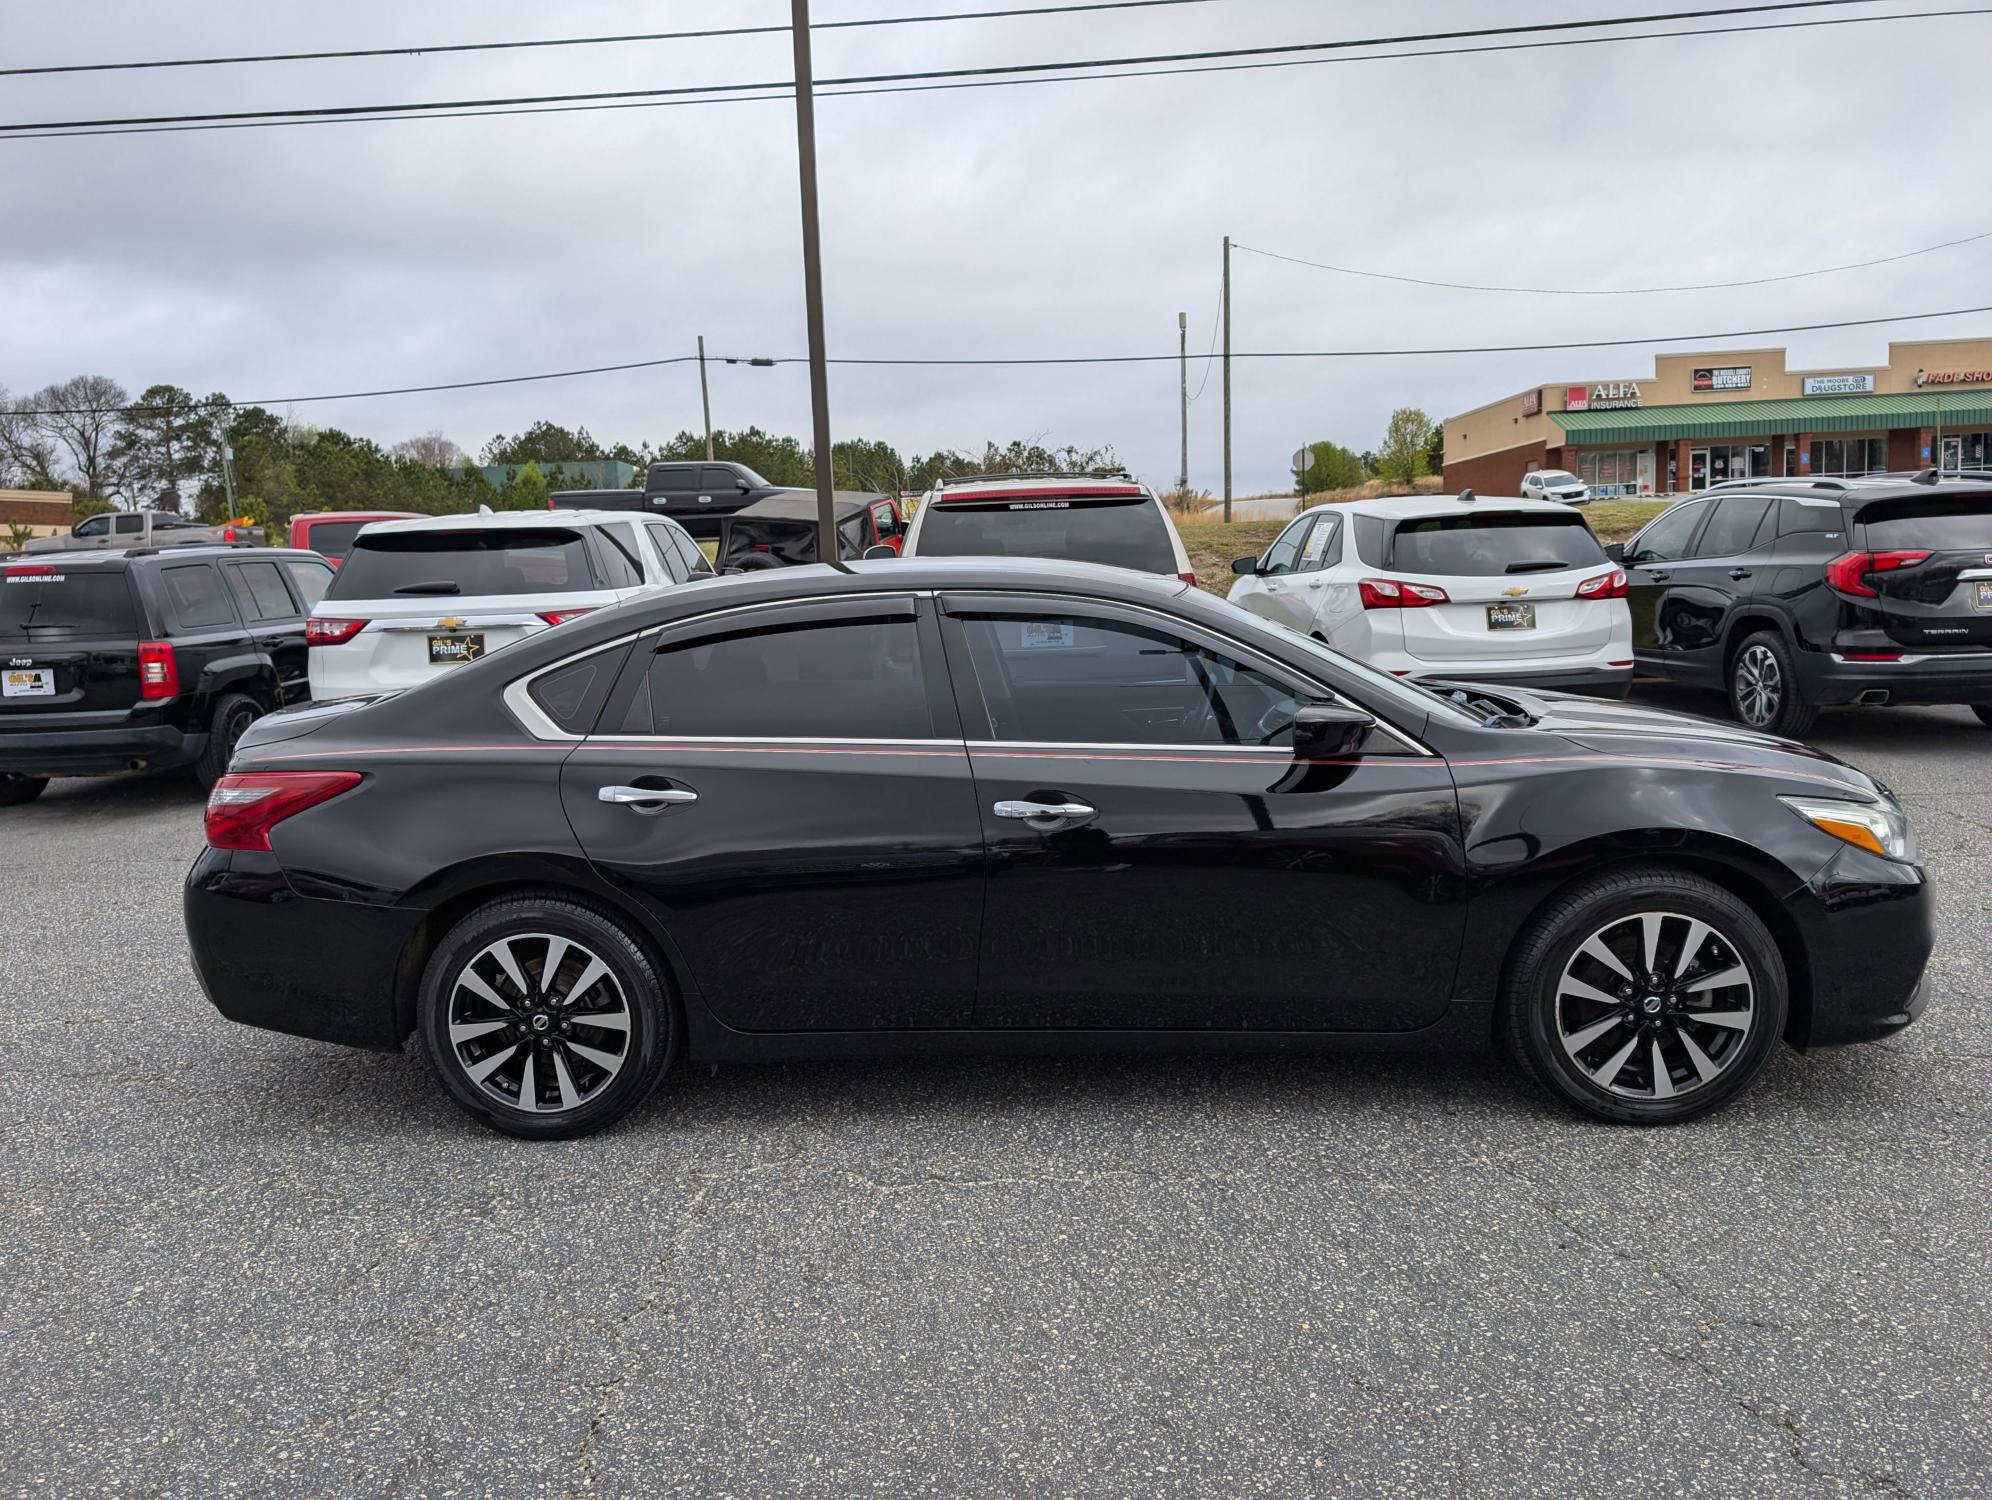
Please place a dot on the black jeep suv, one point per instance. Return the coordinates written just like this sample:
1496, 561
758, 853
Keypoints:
146, 659
1793, 594
695, 495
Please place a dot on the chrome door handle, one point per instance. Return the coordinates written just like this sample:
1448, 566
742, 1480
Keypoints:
1035, 810
1739, 573
646, 800
1658, 577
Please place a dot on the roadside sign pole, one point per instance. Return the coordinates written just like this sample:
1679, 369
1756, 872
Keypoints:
705, 399
1227, 377
1183, 365
812, 284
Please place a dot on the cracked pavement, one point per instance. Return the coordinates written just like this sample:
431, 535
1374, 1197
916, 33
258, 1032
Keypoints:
237, 1263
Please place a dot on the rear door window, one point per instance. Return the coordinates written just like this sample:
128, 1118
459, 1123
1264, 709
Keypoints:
259, 591
695, 560
447, 563
127, 525
46, 601
1122, 533
677, 478
664, 555
1493, 545
196, 596
1321, 547
1734, 528
620, 559
1963, 523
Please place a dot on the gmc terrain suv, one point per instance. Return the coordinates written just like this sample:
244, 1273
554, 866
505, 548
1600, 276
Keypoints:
1794, 594
147, 659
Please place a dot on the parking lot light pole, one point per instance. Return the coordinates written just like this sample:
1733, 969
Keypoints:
705, 398
812, 284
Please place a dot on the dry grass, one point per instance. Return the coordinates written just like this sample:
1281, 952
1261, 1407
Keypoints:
1378, 489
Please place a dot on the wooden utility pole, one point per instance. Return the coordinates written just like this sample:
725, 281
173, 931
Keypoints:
1227, 377
1183, 365
812, 286
705, 398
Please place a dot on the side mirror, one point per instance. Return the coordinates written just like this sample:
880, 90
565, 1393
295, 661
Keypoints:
1616, 552
878, 550
1245, 567
741, 485
1328, 731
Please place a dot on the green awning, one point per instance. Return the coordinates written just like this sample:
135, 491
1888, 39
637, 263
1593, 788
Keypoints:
1951, 410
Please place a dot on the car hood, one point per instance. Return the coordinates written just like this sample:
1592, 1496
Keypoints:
1610, 728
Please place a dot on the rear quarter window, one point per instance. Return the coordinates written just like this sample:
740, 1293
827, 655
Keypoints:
1128, 533
1947, 524
534, 560
1489, 546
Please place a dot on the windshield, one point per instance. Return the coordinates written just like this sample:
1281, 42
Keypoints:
1126, 533
535, 560
1557, 477
1492, 545
41, 600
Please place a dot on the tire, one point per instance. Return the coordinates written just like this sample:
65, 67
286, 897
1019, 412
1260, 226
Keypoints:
1559, 1033
1984, 712
580, 1079
233, 713
756, 562
18, 791
1764, 690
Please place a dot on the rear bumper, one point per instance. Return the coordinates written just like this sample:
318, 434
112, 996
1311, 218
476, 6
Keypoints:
93, 751
1592, 682
267, 957
1869, 925
1959, 677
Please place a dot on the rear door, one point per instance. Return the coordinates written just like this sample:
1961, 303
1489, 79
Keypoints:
1181, 872
820, 867
1651, 558
1510, 580
69, 633
276, 621
1942, 597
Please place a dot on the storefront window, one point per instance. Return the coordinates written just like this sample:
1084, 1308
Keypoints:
1849, 456
1616, 471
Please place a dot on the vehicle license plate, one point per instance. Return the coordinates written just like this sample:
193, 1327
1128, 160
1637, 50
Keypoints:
445, 650
1039, 633
30, 682
1511, 617
1983, 597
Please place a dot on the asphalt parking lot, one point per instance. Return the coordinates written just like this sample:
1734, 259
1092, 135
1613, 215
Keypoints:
240, 1263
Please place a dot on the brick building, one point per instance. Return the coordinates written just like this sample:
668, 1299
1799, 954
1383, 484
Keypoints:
43, 512
1701, 418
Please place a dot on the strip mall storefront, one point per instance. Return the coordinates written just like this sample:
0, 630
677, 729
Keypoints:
1700, 419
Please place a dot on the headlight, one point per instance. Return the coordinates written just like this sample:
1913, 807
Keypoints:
1873, 826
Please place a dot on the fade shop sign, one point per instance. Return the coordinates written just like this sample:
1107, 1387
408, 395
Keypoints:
1608, 395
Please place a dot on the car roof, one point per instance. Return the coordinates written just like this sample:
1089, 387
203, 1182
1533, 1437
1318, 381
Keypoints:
1859, 489
101, 557
1427, 507
355, 515
500, 520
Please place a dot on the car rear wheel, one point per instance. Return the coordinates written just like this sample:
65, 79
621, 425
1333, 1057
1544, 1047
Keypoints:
16, 790
1764, 690
233, 714
1646, 996
544, 1018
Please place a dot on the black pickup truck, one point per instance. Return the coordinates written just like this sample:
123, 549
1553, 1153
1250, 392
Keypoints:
146, 660
695, 495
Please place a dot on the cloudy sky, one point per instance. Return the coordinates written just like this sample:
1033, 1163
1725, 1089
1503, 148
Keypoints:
1068, 218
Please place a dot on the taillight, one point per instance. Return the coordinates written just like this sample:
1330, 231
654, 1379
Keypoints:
328, 632
1610, 585
1393, 593
1848, 572
549, 502
1871, 656
228, 533
242, 810
1189, 578
562, 616
158, 670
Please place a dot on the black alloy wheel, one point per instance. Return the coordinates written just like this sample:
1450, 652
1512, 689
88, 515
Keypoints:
1646, 996
544, 1018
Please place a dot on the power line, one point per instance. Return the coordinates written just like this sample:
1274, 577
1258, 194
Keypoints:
1005, 72
1073, 359
589, 41
1623, 291
1210, 359
1034, 80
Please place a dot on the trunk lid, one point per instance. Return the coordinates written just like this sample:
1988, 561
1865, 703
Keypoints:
69, 634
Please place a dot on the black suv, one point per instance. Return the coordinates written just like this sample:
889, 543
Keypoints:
1793, 594
146, 659
695, 495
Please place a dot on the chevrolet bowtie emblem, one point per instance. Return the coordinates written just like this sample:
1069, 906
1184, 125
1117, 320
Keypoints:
1515, 593
449, 622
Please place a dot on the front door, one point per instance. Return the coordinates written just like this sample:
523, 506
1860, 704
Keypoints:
1953, 454
1270, 591
787, 791
1158, 861
1720, 573
1698, 469
1650, 560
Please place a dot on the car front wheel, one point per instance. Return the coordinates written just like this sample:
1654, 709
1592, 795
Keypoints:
1646, 996
544, 1018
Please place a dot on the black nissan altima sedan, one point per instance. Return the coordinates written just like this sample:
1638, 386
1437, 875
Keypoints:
971, 805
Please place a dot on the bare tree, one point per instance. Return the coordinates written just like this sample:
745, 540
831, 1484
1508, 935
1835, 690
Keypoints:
431, 449
28, 453
83, 416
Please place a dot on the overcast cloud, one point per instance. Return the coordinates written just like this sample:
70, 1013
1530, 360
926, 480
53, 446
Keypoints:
1065, 218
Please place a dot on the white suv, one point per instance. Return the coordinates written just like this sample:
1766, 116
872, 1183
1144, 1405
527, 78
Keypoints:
1081, 518
415, 598
1496, 591
1556, 484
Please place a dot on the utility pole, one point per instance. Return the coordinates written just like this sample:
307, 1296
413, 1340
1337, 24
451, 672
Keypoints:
1227, 377
1183, 365
812, 285
705, 398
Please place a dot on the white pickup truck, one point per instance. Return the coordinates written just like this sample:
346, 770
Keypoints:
144, 528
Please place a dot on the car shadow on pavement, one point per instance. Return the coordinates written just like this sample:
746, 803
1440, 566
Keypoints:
122, 796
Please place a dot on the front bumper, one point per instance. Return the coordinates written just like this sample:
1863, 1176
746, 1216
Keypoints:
1869, 925
1592, 682
59, 750
268, 957
1949, 677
